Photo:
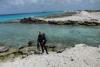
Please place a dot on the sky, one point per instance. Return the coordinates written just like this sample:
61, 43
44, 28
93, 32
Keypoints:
27, 6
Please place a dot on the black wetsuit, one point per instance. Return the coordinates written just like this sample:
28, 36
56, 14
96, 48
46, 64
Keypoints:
42, 41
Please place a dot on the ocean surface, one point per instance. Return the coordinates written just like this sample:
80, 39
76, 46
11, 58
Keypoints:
25, 15
17, 35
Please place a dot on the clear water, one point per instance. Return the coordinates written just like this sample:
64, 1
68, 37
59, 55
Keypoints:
16, 35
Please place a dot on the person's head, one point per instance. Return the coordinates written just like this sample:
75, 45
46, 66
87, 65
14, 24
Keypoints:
40, 33
43, 34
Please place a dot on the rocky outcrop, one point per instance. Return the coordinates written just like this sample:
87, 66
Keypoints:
79, 56
32, 20
91, 22
53, 48
3, 49
64, 14
70, 22
22, 52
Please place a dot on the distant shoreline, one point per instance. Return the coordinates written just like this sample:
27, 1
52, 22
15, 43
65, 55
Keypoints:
65, 18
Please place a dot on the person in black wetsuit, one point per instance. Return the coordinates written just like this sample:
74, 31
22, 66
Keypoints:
41, 42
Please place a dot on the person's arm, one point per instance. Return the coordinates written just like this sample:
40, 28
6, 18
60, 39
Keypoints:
44, 39
38, 39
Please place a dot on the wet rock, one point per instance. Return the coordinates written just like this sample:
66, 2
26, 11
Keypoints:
3, 49
52, 22
70, 22
8, 54
60, 51
24, 56
97, 46
73, 45
32, 20
27, 49
90, 23
52, 48
30, 43
22, 47
37, 52
26, 20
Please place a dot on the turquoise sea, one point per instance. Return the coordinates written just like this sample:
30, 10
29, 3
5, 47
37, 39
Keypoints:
25, 15
17, 34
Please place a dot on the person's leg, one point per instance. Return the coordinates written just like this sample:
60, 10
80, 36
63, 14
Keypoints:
42, 47
46, 49
38, 46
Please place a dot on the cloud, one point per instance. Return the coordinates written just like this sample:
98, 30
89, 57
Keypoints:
38, 5
25, 2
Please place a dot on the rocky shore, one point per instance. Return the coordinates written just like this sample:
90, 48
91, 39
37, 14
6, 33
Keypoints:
74, 18
70, 22
8, 53
80, 18
79, 56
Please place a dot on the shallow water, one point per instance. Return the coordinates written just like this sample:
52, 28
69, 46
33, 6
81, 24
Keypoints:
16, 35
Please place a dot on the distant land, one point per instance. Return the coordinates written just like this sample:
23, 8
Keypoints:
98, 10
